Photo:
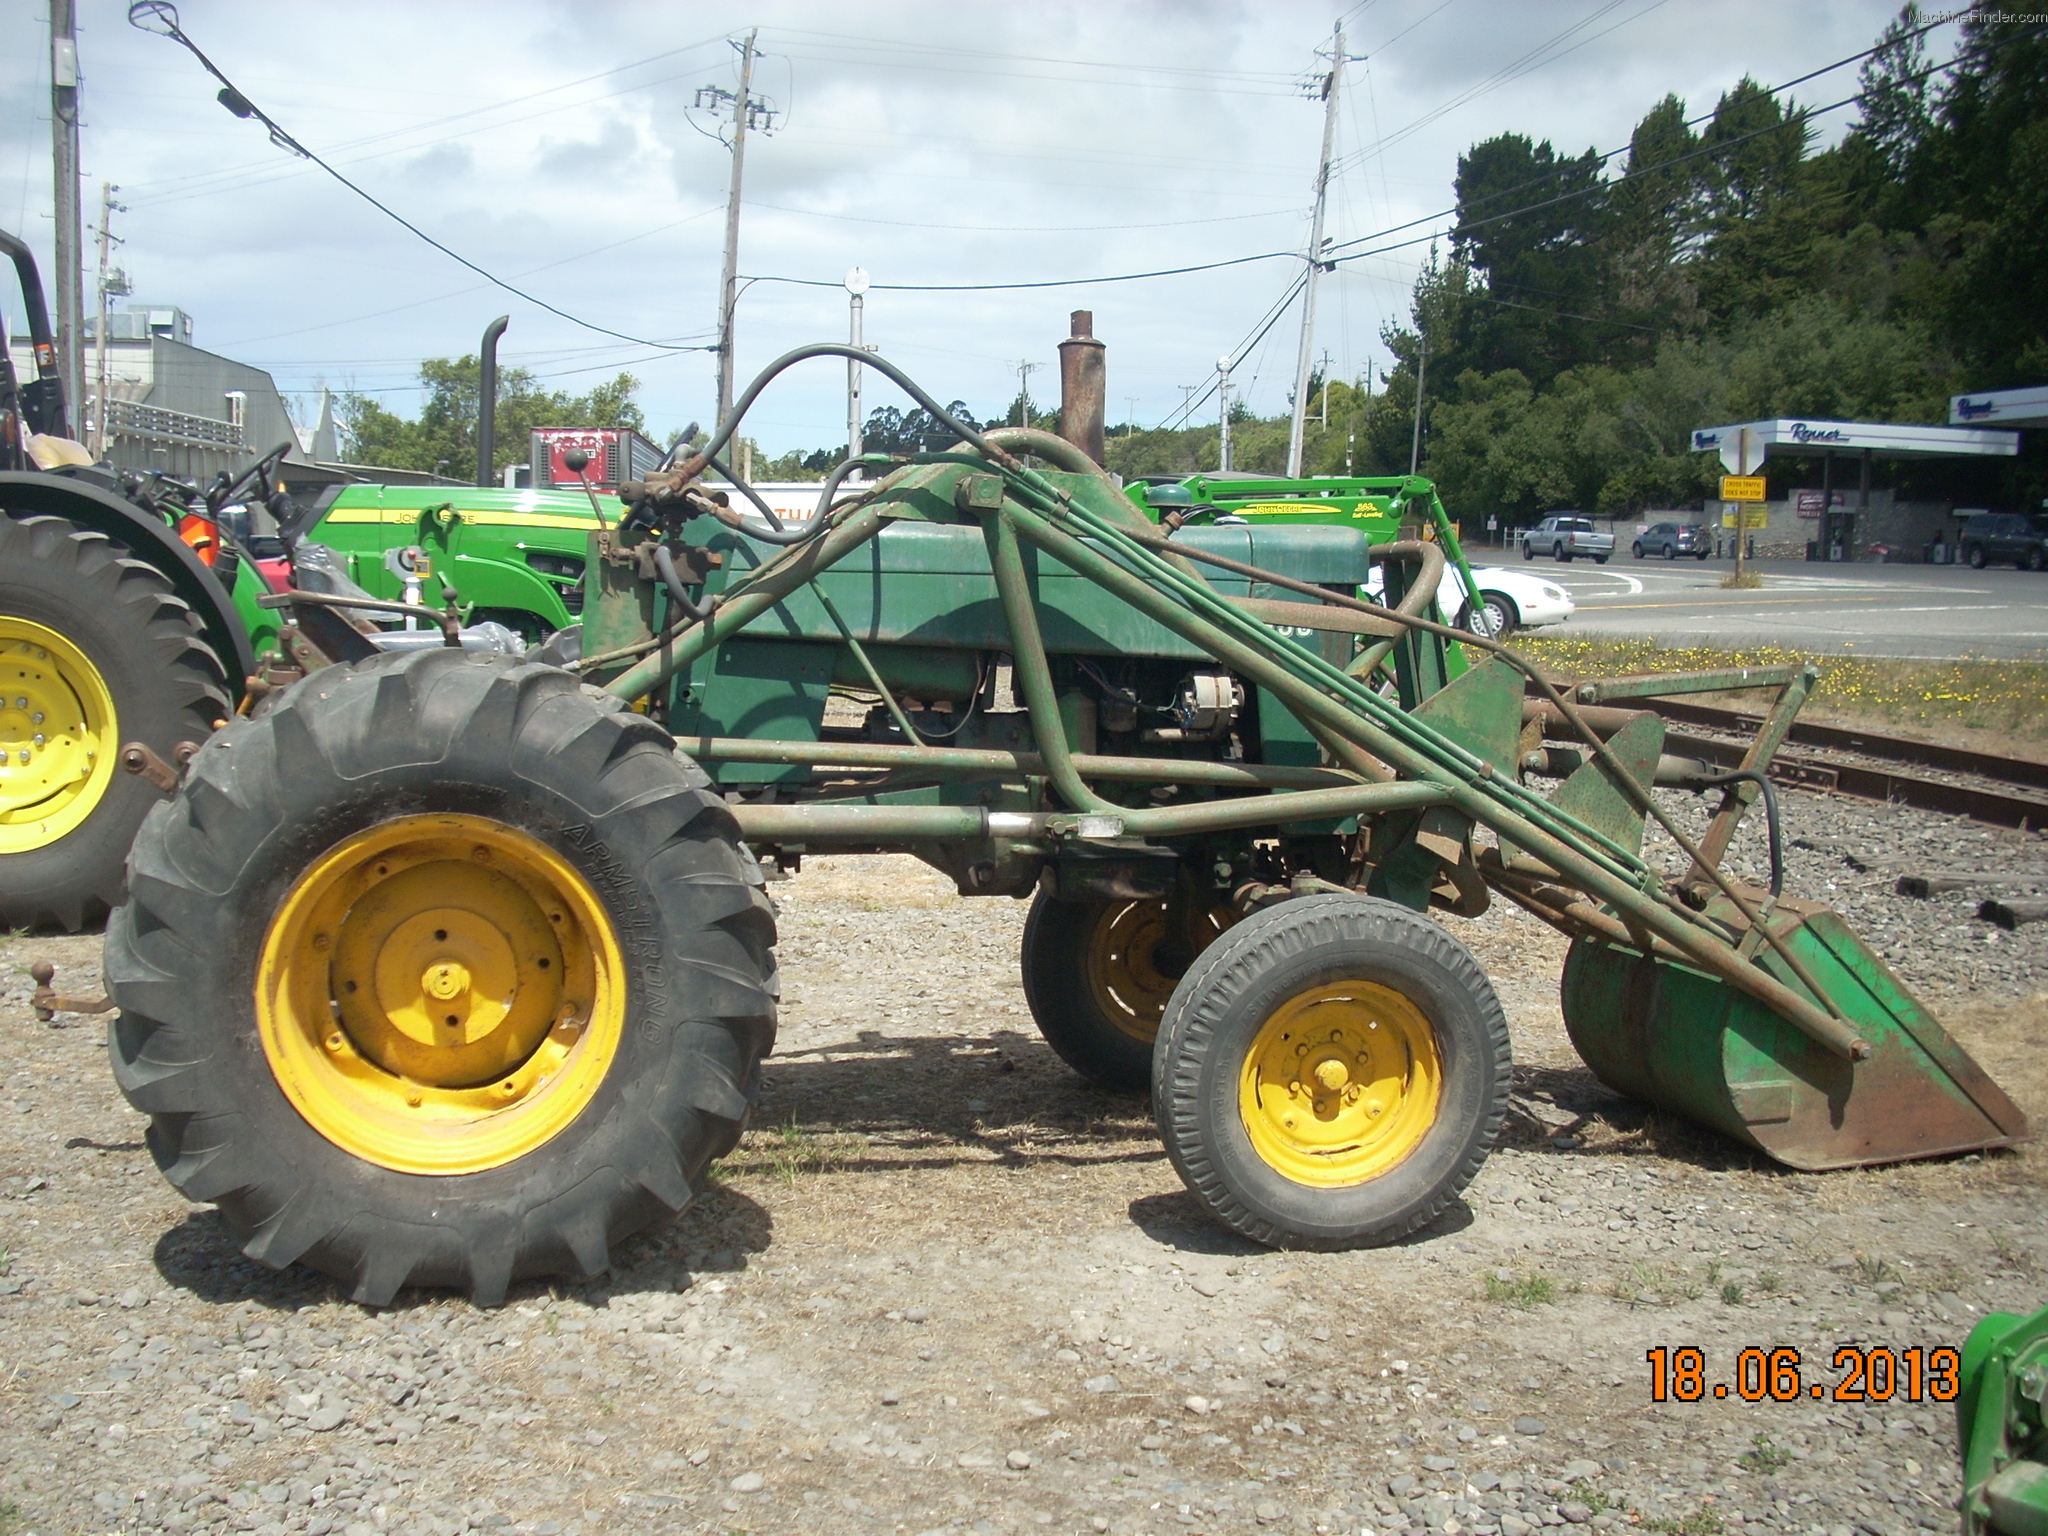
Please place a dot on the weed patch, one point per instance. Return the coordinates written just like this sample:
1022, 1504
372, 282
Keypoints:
1521, 1292
1764, 1455
2009, 697
1701, 1522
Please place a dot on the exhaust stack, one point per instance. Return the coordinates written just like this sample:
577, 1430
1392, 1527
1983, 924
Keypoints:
1083, 386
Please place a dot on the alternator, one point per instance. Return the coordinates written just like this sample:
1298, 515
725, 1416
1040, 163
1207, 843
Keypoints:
1208, 704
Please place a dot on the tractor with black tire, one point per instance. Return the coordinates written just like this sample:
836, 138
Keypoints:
133, 621
456, 968
115, 633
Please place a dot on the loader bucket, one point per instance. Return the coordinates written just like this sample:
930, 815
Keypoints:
1663, 1031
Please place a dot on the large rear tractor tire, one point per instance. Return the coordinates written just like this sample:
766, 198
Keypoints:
96, 650
1331, 1073
1097, 975
447, 971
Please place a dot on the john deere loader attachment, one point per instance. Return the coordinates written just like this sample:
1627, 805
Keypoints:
514, 979
1668, 1033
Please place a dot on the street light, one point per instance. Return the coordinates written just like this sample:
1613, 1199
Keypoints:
856, 304
1223, 396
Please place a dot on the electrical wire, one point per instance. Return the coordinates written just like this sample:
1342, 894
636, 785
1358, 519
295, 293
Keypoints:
1593, 188
1607, 155
1528, 63
176, 186
165, 16
1059, 282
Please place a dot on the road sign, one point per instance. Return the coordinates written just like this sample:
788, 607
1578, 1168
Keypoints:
1753, 515
1743, 488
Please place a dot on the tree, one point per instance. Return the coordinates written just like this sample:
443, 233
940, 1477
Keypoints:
1896, 96
1530, 223
443, 437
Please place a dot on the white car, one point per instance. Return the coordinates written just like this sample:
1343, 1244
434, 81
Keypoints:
1514, 600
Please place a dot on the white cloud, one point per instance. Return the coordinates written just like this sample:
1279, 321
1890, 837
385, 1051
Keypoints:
931, 143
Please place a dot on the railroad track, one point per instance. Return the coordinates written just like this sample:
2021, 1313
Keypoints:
1870, 765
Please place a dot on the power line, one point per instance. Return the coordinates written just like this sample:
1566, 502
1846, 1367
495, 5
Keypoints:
165, 17
1059, 282
1528, 63
179, 183
1607, 155
1603, 186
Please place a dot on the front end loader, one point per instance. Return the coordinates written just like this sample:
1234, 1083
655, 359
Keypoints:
450, 968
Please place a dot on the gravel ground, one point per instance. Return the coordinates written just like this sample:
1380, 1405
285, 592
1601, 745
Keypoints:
946, 1287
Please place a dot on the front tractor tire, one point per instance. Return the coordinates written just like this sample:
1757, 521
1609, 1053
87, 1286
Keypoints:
1331, 1073
1097, 975
96, 651
447, 971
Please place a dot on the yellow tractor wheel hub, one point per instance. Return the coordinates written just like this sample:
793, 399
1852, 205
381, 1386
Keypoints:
1123, 967
440, 994
57, 736
1341, 1084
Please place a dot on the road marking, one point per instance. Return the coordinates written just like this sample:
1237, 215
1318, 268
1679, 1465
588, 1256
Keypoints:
1751, 602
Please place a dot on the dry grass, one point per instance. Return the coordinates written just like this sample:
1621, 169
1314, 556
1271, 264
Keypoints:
2008, 699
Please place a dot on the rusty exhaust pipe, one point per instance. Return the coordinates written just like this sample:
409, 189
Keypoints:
1083, 386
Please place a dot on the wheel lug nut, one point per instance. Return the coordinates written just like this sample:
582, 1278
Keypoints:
36, 718
412, 1097
24, 754
37, 738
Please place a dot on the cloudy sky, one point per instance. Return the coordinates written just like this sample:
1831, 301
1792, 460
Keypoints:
556, 145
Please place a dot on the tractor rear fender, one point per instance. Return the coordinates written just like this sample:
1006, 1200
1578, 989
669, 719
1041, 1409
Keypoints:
149, 538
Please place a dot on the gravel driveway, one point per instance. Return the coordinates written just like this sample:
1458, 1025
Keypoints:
944, 1286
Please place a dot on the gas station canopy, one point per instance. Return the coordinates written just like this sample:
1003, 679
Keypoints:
2001, 407
1883, 439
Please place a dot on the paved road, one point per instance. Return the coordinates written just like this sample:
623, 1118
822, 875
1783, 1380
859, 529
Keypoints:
1932, 611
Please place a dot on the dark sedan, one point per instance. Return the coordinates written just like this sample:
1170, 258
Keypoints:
1672, 540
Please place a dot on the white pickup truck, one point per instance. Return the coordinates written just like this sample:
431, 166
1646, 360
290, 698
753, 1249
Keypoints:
1565, 538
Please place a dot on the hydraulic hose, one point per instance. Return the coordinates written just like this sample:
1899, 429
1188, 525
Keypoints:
1770, 794
699, 461
665, 563
774, 532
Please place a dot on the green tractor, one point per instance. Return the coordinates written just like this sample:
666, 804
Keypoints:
445, 967
2002, 1423
132, 617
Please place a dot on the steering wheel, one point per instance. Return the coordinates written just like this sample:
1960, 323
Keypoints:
257, 477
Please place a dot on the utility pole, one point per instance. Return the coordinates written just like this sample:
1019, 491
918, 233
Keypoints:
110, 282
1024, 371
64, 164
1421, 379
1187, 402
1315, 257
1326, 391
1223, 464
856, 311
1131, 417
747, 111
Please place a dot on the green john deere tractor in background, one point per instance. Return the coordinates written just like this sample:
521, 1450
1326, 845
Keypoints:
1384, 508
132, 617
516, 557
455, 968
2002, 1424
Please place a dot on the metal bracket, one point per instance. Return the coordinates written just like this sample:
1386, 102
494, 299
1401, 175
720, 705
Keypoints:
139, 760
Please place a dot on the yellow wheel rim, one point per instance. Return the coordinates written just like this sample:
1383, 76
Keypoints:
1341, 1084
440, 994
57, 734
1122, 962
